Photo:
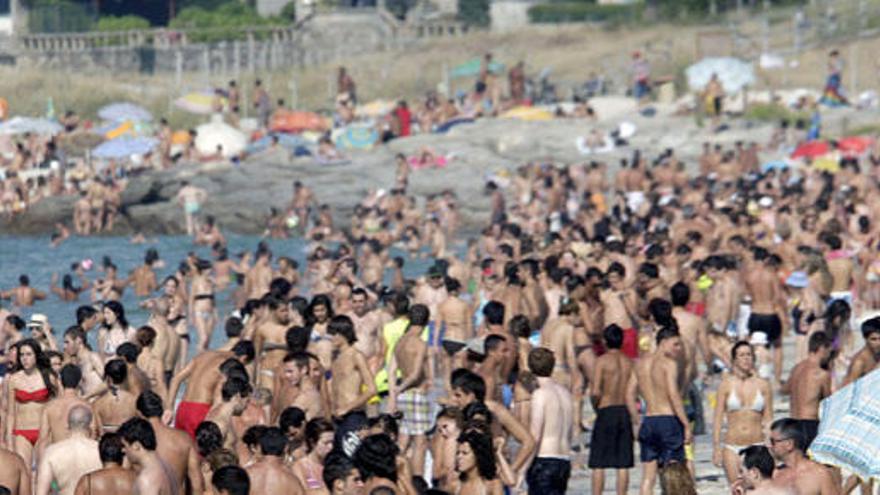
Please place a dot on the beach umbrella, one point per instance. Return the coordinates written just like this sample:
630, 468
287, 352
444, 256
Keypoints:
218, 133
21, 125
827, 163
811, 149
124, 111
375, 109
290, 142
79, 142
449, 124
297, 121
528, 113
200, 102
776, 166
850, 428
124, 147
471, 68
733, 73
356, 137
854, 145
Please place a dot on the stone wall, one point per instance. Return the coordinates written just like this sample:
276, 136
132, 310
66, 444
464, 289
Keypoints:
510, 15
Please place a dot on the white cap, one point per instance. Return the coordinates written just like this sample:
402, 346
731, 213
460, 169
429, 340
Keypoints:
38, 320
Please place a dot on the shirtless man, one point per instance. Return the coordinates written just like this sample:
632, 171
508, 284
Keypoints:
259, 277
296, 388
366, 326
768, 304
191, 198
154, 476
167, 345
558, 336
66, 461
149, 361
491, 367
269, 475
691, 327
865, 361
841, 266
53, 423
722, 301
77, 353
112, 478
143, 277
611, 443
82, 215
410, 395
809, 383
455, 321
301, 203
173, 446
665, 429
203, 374
801, 474
551, 425
14, 475
270, 343
756, 473
352, 384
619, 304
234, 395
24, 295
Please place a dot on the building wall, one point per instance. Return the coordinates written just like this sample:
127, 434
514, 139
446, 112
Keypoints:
509, 15
271, 7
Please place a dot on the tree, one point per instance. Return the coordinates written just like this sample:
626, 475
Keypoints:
474, 12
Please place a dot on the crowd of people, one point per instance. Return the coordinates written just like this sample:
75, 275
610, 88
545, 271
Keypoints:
619, 309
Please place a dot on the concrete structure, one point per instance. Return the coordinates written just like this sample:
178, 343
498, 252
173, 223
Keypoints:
509, 15
268, 8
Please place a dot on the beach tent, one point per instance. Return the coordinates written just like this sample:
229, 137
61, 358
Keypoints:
733, 73
124, 111
471, 68
218, 133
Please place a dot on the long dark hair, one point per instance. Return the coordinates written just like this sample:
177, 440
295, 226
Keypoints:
42, 363
481, 445
318, 300
117, 310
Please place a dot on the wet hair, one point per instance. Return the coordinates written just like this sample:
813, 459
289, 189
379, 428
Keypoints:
71, 375
314, 428
138, 430
208, 438
145, 336
297, 338
661, 312
680, 294
76, 332
319, 300
736, 347
613, 336
376, 457
541, 361
280, 287
116, 370
649, 270
244, 348
342, 325
336, 467
110, 448
452, 285
117, 309
235, 386
617, 268
41, 360
291, 417
149, 404
519, 326
233, 327
419, 315
818, 340
758, 457
233, 367
128, 351
300, 358
83, 313
790, 429
493, 341
273, 441
232, 479
469, 382
871, 326
16, 322
24, 280
494, 313
484, 453
251, 436
665, 333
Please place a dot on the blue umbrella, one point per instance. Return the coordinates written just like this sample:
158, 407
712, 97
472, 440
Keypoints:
357, 137
121, 112
850, 428
290, 142
449, 124
125, 147
777, 166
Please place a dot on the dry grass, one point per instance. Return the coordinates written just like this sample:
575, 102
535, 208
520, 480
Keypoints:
572, 52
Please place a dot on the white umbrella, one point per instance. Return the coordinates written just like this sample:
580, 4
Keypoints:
218, 133
733, 73
21, 125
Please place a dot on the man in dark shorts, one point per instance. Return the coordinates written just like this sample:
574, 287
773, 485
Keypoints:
611, 444
768, 302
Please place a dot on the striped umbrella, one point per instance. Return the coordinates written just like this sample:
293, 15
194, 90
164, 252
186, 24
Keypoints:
850, 428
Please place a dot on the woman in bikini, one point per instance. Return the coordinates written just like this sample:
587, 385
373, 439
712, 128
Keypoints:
310, 469
116, 405
745, 403
202, 304
475, 463
116, 330
29, 388
177, 319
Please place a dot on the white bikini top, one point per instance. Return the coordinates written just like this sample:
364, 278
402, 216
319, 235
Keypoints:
734, 404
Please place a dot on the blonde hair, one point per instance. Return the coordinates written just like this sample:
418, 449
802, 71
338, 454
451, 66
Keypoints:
675, 479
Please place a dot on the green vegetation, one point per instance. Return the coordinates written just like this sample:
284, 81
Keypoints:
573, 11
774, 112
222, 23
123, 23
288, 12
474, 12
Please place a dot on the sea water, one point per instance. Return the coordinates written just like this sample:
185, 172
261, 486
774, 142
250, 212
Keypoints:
33, 256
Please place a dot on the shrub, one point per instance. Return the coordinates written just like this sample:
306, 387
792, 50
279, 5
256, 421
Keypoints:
123, 23
474, 12
223, 23
561, 12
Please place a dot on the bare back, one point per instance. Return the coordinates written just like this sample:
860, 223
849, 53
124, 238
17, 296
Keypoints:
612, 372
107, 481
